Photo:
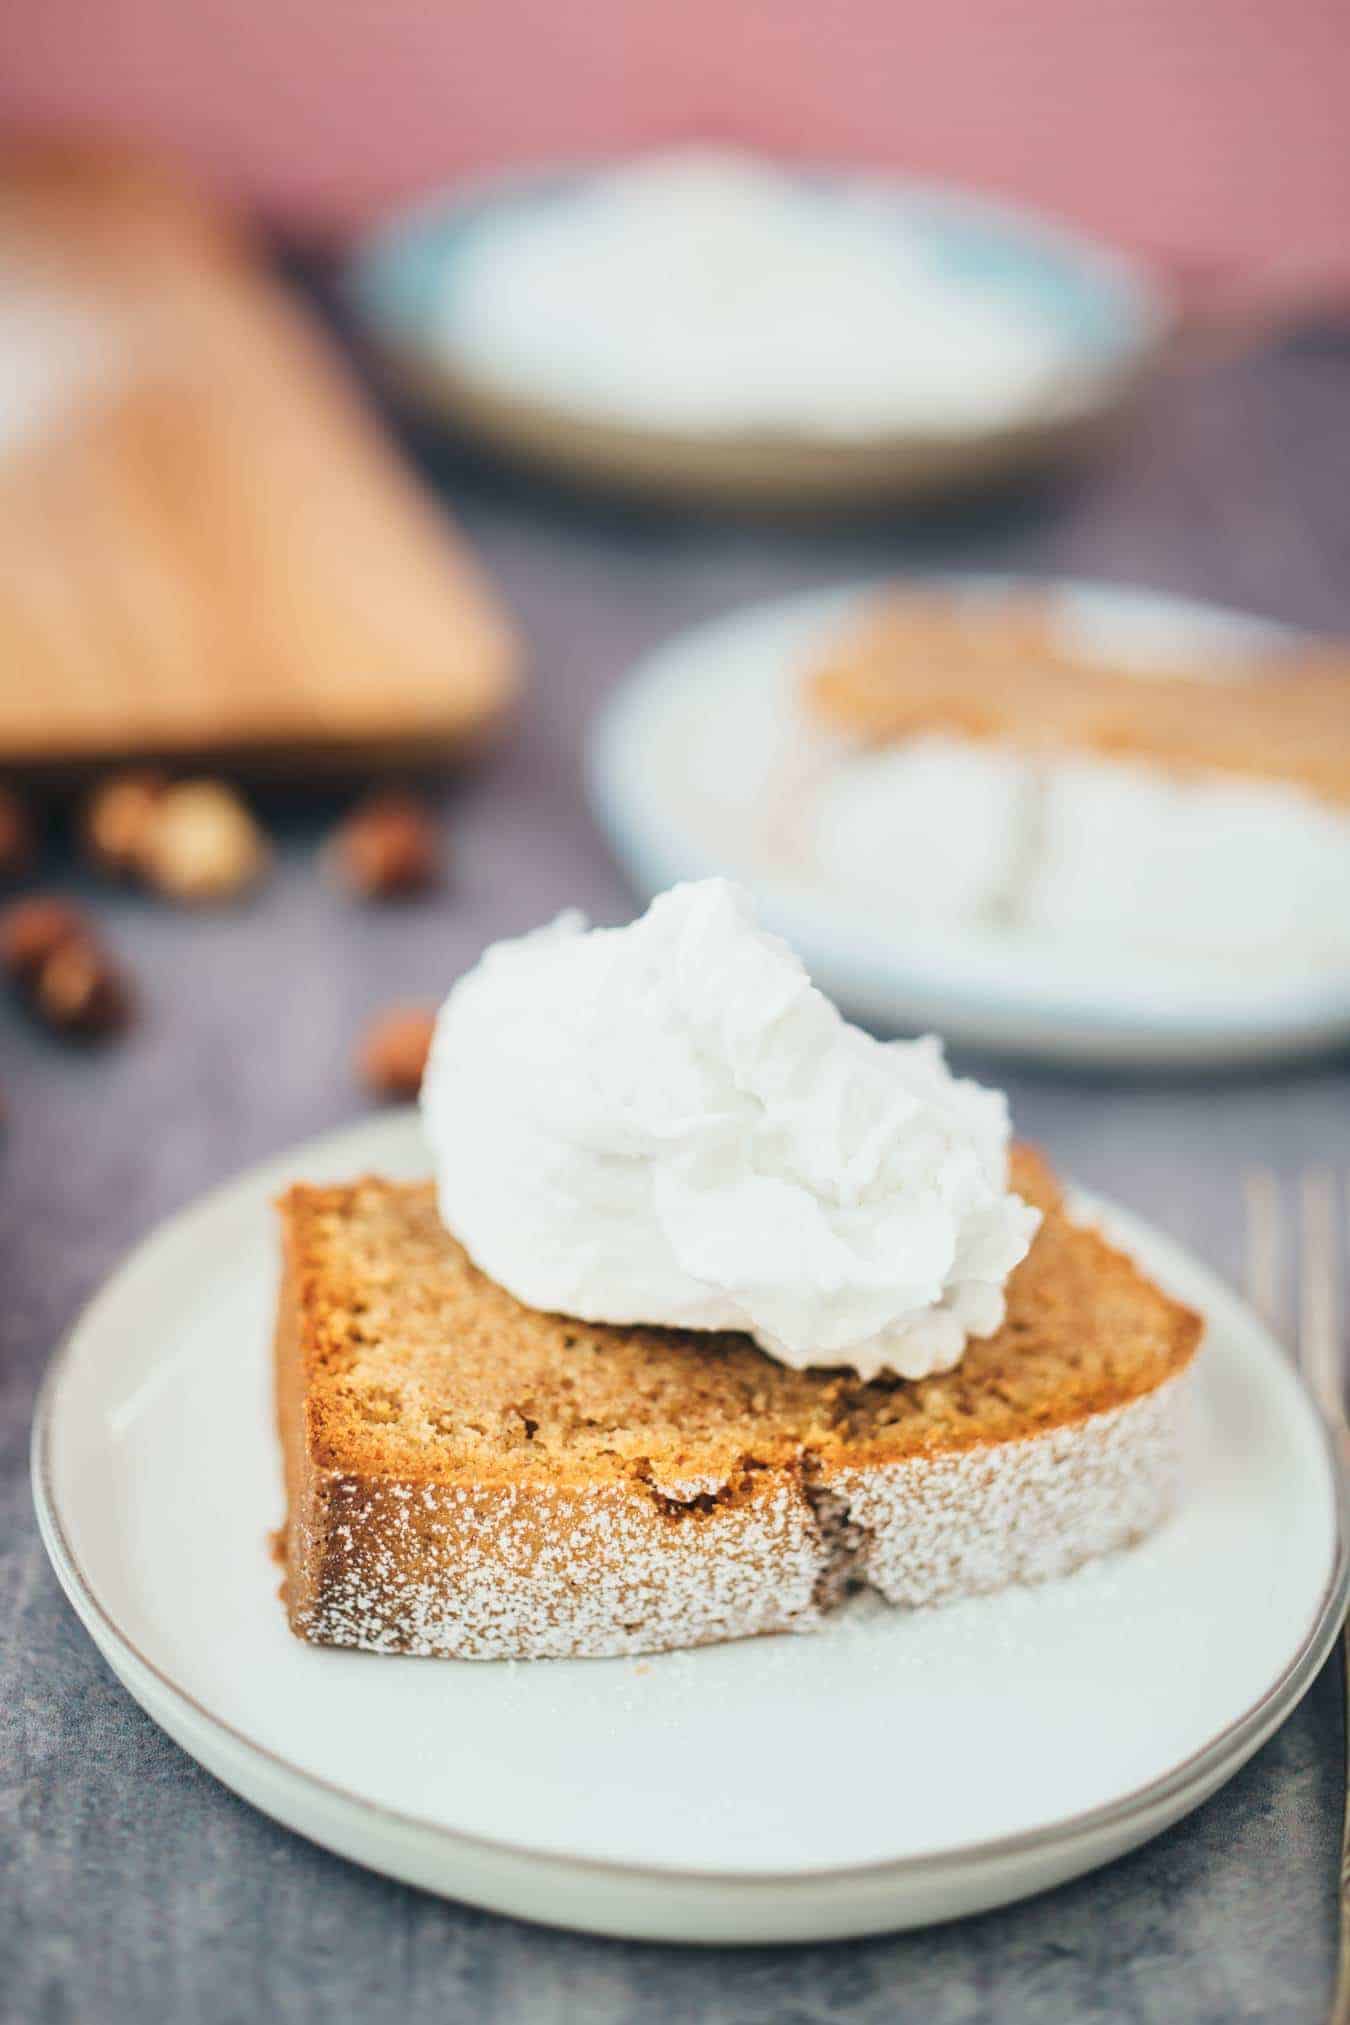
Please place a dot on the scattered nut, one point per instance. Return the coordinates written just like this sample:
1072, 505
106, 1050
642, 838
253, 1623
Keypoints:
17, 847
395, 1049
53, 954
387, 848
31, 931
78, 990
117, 820
201, 844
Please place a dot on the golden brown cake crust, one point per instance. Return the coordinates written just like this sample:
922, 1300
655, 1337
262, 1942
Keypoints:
415, 1363
442, 1442
914, 664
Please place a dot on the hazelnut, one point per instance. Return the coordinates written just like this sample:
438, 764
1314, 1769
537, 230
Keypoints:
201, 844
78, 990
117, 820
395, 1049
387, 848
16, 836
52, 952
31, 931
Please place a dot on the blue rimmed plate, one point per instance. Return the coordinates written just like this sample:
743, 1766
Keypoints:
1108, 318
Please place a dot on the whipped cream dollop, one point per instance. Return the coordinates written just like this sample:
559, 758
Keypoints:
667, 1123
711, 291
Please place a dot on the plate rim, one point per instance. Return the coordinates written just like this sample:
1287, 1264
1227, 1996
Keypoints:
1199, 1774
654, 852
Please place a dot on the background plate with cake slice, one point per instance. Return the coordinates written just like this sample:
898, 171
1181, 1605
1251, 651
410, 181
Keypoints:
1058, 819
713, 1317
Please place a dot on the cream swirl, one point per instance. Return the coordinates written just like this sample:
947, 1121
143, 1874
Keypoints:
668, 1123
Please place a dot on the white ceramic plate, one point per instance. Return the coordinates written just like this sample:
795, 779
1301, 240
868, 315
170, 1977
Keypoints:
1109, 318
706, 740
896, 1769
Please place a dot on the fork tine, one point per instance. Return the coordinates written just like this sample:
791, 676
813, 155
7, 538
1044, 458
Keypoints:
1325, 1255
1319, 1325
1265, 1244
1323, 1216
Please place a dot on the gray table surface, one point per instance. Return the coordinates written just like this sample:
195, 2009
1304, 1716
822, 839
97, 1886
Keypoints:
132, 1886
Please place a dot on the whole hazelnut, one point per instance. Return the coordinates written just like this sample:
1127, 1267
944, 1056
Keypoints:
17, 847
201, 844
394, 1052
387, 848
117, 819
53, 954
33, 930
78, 990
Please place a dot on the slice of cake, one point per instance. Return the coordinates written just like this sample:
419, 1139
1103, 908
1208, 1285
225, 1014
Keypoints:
469, 1476
1004, 670
991, 769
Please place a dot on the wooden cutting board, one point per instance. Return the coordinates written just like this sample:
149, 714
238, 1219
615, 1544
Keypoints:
208, 548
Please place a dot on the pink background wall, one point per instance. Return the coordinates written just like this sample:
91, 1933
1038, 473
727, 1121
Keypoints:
1209, 129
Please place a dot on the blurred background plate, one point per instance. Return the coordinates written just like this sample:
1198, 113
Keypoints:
1110, 319
706, 736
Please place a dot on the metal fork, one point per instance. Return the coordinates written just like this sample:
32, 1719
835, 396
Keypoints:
1315, 1306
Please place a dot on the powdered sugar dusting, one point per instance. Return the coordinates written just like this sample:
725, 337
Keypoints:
1023, 1512
484, 1573
546, 1573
